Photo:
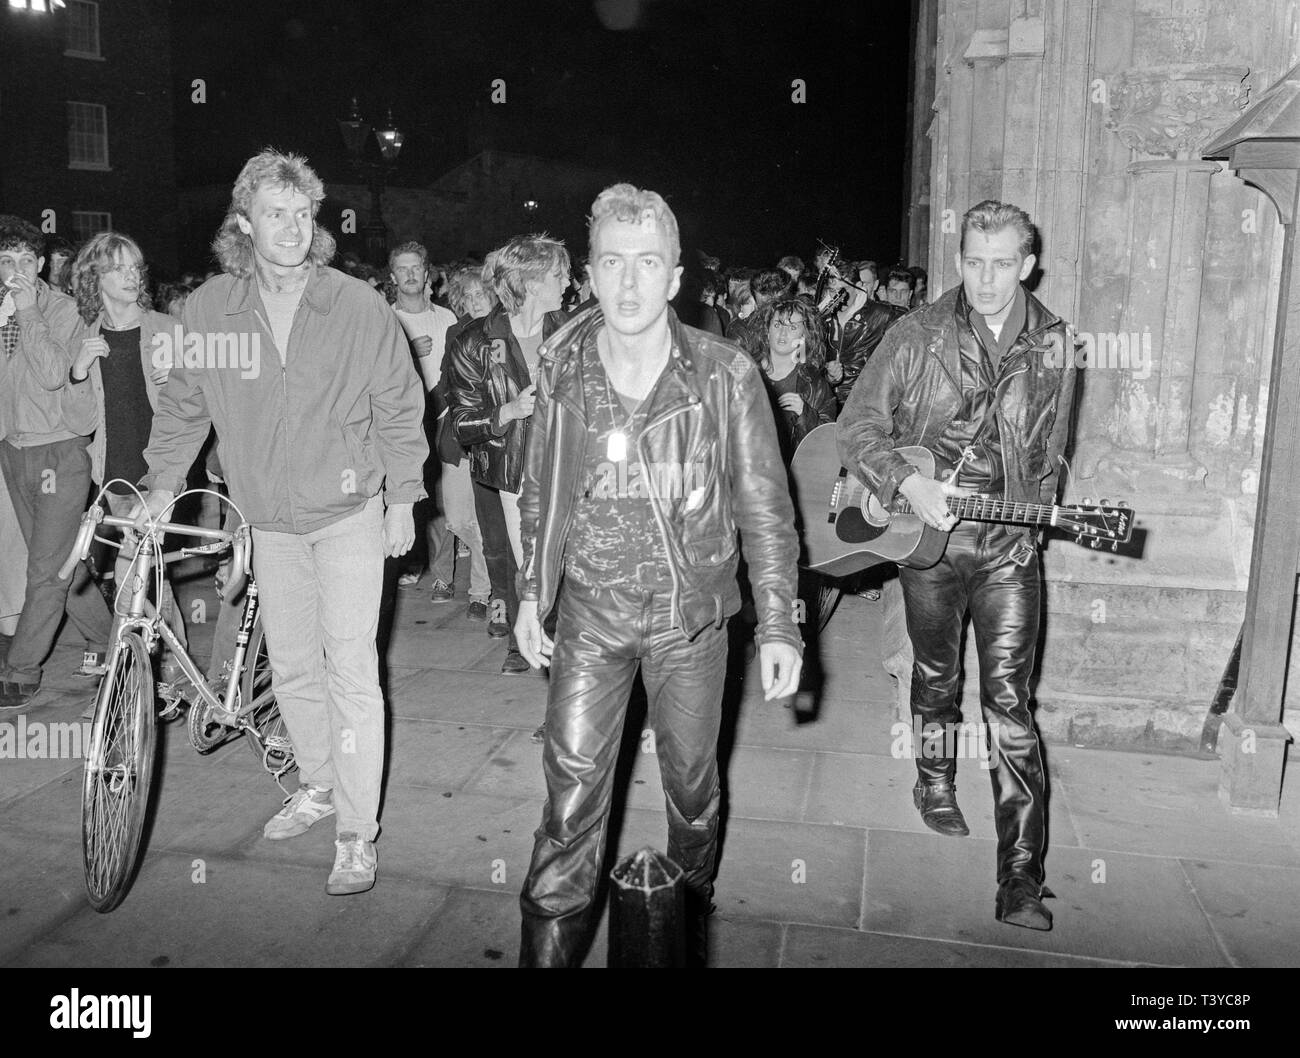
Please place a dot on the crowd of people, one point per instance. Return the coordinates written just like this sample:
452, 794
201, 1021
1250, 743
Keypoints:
518, 412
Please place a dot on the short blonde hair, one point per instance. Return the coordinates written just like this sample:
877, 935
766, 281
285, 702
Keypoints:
508, 268
632, 205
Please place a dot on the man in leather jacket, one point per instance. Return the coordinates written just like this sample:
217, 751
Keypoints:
987, 343
653, 443
491, 367
854, 333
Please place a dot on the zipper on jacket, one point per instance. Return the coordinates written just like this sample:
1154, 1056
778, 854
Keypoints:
658, 513
284, 393
568, 521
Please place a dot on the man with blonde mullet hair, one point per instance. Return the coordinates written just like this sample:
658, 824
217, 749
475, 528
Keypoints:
323, 450
642, 574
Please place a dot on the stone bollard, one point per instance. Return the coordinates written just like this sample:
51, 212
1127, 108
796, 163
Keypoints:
647, 912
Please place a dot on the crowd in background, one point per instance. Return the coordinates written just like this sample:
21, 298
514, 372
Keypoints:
810, 327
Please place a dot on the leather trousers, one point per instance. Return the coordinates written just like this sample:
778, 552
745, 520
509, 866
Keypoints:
601, 635
1003, 597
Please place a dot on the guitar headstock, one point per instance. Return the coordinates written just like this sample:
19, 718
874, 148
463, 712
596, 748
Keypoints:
1097, 524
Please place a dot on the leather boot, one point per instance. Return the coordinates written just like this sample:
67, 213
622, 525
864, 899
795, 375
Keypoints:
937, 803
698, 907
1019, 903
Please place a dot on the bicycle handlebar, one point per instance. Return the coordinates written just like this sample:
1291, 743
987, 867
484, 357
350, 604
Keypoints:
95, 516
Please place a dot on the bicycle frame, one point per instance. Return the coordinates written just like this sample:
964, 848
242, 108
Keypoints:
144, 616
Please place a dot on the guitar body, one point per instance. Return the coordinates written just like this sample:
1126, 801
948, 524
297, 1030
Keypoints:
844, 527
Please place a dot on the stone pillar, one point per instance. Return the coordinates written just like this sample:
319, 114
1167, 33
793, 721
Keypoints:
1090, 114
916, 157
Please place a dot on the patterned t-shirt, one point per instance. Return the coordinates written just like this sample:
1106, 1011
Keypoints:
614, 540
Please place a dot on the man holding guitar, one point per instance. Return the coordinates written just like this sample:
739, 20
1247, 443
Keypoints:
973, 379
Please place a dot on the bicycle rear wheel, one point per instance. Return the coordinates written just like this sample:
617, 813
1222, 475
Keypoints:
118, 773
267, 736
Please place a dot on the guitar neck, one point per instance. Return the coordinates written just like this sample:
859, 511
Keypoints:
980, 509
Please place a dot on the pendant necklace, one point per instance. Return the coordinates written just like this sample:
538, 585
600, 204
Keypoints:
616, 446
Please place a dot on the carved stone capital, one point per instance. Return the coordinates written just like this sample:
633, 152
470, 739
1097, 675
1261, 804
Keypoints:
1171, 111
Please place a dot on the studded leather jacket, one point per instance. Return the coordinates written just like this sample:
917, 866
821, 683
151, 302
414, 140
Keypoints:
911, 389
710, 421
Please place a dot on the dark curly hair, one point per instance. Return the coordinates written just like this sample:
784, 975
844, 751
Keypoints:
18, 234
785, 308
100, 255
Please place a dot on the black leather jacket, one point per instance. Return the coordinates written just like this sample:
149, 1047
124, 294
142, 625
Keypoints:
485, 369
710, 411
819, 408
911, 389
855, 341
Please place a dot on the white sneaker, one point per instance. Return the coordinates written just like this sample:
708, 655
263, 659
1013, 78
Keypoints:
355, 863
305, 806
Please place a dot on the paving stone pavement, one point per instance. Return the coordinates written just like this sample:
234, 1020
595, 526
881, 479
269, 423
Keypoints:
823, 862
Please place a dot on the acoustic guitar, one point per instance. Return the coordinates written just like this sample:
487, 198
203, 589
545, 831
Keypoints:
846, 529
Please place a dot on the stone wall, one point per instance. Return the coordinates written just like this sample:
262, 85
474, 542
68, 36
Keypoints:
1090, 114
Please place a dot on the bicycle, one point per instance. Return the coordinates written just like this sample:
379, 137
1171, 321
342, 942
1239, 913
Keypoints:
119, 764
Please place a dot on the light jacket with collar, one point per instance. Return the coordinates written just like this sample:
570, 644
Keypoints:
38, 403
710, 418
151, 323
305, 443
911, 389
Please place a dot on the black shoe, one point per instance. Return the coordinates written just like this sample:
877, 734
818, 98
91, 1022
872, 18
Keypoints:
937, 803
1019, 903
477, 611
699, 909
498, 629
514, 664
16, 698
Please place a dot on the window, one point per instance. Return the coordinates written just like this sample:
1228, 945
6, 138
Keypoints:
37, 5
87, 136
86, 223
83, 30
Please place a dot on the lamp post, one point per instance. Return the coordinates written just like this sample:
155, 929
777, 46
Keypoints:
356, 133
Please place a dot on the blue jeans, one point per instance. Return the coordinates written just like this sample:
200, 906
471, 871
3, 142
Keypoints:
319, 594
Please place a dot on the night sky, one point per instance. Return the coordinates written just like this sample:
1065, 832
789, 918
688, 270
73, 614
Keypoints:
692, 99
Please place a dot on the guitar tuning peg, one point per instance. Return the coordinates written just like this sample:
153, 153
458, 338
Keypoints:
1105, 502
1086, 501
1093, 543
1114, 547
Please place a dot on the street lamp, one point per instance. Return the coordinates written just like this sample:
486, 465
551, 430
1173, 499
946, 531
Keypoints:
356, 133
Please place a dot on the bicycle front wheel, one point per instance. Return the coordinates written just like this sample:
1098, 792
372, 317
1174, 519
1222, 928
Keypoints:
118, 773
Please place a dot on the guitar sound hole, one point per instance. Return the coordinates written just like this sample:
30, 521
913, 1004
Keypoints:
853, 528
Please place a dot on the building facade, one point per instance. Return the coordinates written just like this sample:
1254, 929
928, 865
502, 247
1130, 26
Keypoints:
1090, 114
86, 105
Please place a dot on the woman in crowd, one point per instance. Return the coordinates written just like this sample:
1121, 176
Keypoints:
114, 354
793, 363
